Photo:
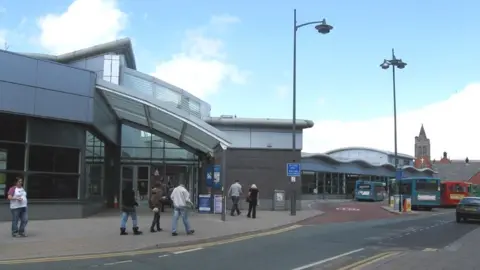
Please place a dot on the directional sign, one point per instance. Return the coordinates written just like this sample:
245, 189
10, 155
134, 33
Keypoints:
293, 169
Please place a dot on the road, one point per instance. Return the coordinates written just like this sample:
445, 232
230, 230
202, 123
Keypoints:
326, 245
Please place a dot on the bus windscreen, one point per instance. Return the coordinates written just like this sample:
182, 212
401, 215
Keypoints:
426, 186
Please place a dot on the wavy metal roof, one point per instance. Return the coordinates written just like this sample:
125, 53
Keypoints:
369, 149
330, 159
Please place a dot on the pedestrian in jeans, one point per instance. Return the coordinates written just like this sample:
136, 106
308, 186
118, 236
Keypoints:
128, 210
235, 192
155, 205
252, 201
181, 203
18, 206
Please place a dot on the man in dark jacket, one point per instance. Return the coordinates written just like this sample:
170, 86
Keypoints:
128, 210
156, 204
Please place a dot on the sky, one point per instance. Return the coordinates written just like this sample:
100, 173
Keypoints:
237, 56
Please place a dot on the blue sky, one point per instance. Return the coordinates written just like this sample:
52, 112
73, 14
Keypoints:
338, 77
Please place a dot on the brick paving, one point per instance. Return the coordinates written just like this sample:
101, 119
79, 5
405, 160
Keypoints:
347, 211
101, 233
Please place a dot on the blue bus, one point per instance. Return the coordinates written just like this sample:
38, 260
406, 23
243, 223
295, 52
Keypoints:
424, 192
369, 191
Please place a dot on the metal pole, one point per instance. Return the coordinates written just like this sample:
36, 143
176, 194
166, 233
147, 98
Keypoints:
395, 128
293, 203
223, 179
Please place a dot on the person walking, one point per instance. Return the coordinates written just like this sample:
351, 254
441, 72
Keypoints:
252, 201
235, 192
128, 210
156, 205
181, 202
18, 206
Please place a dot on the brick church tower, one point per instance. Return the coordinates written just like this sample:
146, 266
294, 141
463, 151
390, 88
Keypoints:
422, 150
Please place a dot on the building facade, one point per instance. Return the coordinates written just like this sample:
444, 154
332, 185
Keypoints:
334, 173
79, 127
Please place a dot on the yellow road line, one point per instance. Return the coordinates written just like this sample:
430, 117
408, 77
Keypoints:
370, 260
144, 252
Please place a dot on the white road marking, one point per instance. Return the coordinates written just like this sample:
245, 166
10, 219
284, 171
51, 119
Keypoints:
163, 256
328, 259
120, 262
185, 251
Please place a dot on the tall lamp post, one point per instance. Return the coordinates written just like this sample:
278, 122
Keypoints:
394, 63
323, 28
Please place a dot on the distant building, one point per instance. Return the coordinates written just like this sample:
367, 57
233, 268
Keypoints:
446, 169
422, 150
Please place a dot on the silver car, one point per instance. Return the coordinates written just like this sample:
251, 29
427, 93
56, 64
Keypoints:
468, 208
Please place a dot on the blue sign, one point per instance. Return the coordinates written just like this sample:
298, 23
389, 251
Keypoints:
204, 203
293, 169
399, 174
213, 176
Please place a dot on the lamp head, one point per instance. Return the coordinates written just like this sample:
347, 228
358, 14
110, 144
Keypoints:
323, 27
385, 64
401, 64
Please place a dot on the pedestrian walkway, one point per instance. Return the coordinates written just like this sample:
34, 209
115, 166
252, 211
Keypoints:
100, 234
462, 254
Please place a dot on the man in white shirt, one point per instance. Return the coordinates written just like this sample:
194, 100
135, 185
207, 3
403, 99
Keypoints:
234, 192
181, 202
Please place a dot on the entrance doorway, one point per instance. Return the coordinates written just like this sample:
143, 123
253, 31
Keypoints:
138, 176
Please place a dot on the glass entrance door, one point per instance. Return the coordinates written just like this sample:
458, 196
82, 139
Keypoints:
143, 185
137, 177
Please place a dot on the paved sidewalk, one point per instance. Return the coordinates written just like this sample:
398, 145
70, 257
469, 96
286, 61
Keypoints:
462, 254
100, 234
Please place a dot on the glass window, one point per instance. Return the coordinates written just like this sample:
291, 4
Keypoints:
53, 159
321, 182
12, 156
47, 186
334, 183
167, 95
142, 172
470, 201
426, 186
328, 183
13, 127
7, 180
95, 175
308, 182
132, 137
138, 84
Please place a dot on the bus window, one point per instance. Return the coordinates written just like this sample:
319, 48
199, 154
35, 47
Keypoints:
426, 186
364, 187
406, 188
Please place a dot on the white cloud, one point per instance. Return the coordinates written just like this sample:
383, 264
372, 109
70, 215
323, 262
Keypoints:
452, 126
202, 67
85, 23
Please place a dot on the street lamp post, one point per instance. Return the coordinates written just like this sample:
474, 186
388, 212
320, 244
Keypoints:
394, 63
323, 28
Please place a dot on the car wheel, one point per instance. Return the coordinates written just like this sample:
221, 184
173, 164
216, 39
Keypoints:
459, 219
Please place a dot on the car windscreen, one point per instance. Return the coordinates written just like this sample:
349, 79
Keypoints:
475, 201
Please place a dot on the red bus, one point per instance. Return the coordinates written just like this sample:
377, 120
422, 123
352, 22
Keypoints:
452, 192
